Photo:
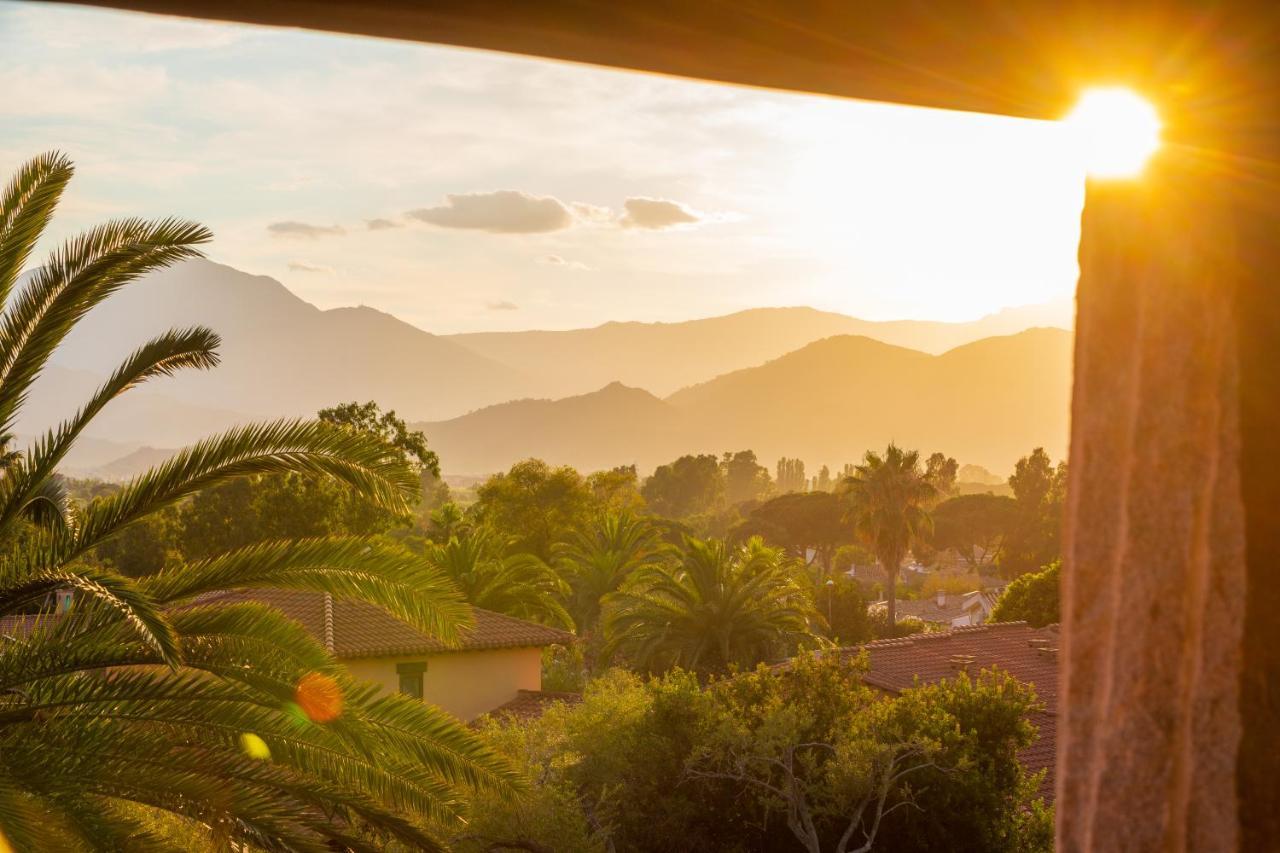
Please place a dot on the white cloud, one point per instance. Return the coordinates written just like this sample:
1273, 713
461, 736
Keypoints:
504, 305
501, 212
381, 224
304, 230
655, 213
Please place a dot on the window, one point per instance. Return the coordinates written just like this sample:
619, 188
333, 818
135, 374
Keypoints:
411, 678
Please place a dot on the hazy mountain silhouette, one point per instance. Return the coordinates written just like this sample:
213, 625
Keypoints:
282, 356
145, 415
663, 357
987, 403
615, 425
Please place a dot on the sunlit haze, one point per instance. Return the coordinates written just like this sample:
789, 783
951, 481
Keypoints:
464, 190
1117, 129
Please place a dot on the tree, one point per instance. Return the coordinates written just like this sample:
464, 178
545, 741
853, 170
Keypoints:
1032, 598
534, 505
887, 496
940, 471
800, 522
717, 607
145, 697
616, 490
974, 526
1040, 489
667, 764
410, 445
687, 486
598, 559
745, 479
517, 584
790, 475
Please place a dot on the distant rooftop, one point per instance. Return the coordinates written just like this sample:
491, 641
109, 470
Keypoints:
362, 630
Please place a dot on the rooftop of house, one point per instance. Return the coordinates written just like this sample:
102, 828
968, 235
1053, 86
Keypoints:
1028, 654
936, 609
362, 630
532, 703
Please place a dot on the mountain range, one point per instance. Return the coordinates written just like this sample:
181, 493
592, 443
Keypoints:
619, 392
987, 402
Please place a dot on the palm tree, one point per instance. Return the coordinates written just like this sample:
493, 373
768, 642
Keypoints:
147, 698
598, 559
887, 496
519, 584
716, 608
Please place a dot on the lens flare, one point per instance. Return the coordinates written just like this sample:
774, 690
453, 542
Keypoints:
254, 746
1116, 130
319, 697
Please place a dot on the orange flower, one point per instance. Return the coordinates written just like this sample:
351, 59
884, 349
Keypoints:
319, 697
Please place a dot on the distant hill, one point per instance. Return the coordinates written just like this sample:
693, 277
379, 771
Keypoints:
784, 380
282, 356
145, 415
663, 357
615, 425
987, 403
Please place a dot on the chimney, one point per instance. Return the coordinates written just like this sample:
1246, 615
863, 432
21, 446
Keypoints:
942, 598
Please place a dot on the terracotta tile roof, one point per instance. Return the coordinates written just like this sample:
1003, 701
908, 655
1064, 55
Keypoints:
360, 630
532, 703
1028, 654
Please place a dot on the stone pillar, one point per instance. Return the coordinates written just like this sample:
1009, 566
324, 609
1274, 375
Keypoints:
1155, 565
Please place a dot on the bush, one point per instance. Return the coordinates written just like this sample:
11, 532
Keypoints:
1032, 598
667, 765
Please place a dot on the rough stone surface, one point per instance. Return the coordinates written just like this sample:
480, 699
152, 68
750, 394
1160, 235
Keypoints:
1154, 580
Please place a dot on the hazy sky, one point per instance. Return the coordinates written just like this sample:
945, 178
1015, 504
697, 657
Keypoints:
467, 190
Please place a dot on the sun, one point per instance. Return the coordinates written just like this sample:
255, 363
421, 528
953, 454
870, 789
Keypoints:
1116, 130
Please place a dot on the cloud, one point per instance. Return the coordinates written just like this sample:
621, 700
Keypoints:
655, 213
504, 305
304, 230
557, 261
381, 224
501, 212
298, 266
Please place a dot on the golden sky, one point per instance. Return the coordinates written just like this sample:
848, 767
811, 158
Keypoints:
465, 190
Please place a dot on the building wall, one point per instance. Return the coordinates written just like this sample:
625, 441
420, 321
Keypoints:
466, 684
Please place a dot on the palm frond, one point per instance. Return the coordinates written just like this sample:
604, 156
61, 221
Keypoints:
29, 477
26, 206
77, 277
307, 447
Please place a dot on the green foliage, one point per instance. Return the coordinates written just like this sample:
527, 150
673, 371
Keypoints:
1032, 598
778, 759
940, 471
976, 728
517, 584
974, 526
745, 479
534, 505
151, 756
887, 496
1039, 488
844, 604
716, 607
686, 487
616, 490
368, 418
599, 558
799, 522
